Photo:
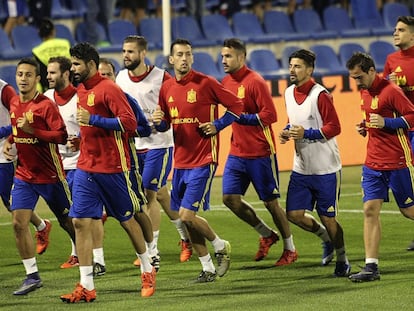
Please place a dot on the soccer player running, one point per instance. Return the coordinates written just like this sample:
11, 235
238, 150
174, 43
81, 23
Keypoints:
252, 157
42, 226
63, 93
143, 82
107, 69
388, 114
37, 129
102, 174
314, 184
398, 65
189, 104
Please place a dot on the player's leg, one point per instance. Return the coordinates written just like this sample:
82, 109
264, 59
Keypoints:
23, 204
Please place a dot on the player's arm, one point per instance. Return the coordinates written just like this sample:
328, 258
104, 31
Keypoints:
143, 128
331, 126
160, 118
5, 131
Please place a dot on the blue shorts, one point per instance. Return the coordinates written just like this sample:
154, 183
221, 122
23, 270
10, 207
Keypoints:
306, 192
155, 166
57, 196
136, 183
69, 178
191, 188
93, 191
6, 181
375, 185
263, 173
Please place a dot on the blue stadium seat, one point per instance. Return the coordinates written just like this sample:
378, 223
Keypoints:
366, 15
247, 27
8, 74
81, 36
266, 64
151, 29
216, 27
379, 51
7, 51
279, 23
204, 63
62, 31
338, 19
327, 62
391, 12
187, 27
25, 38
161, 61
286, 53
118, 30
308, 21
347, 49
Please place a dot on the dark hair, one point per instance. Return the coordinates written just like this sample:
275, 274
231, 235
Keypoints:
64, 63
86, 52
46, 28
307, 56
363, 60
179, 41
236, 44
139, 40
408, 20
107, 61
30, 61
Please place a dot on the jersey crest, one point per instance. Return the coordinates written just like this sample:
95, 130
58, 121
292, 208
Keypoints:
191, 96
374, 103
91, 99
241, 92
29, 116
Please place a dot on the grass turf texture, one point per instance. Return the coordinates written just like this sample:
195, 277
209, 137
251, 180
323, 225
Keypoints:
249, 285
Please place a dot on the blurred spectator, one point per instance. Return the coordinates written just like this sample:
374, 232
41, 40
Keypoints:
98, 12
39, 10
229, 7
50, 47
260, 6
16, 14
133, 10
195, 8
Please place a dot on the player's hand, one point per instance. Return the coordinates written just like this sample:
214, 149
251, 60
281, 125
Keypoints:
392, 77
8, 151
73, 143
23, 124
83, 116
157, 116
208, 128
376, 121
360, 127
296, 131
284, 136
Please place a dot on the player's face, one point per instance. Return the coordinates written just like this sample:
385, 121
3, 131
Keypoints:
181, 58
132, 55
299, 72
26, 78
106, 71
55, 77
403, 37
80, 70
231, 59
362, 79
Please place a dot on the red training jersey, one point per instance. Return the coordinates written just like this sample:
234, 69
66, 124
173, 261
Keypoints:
252, 141
103, 150
187, 103
387, 149
401, 63
39, 159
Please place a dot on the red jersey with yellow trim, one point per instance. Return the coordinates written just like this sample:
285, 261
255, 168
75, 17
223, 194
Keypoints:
103, 150
187, 103
252, 141
387, 149
39, 160
401, 62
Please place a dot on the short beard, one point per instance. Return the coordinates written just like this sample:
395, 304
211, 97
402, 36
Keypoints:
133, 65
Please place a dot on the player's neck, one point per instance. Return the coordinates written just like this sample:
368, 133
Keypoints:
29, 96
140, 70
